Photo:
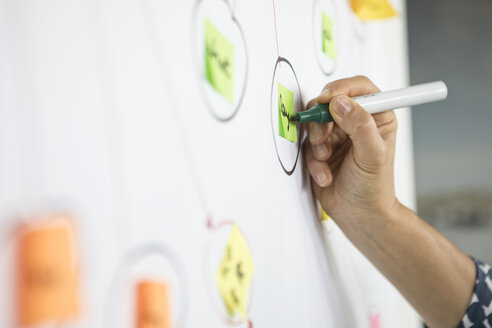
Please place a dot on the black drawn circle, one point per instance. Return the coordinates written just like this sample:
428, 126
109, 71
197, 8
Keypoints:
299, 139
318, 59
138, 254
197, 66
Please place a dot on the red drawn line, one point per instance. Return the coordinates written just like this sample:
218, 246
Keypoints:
217, 226
275, 21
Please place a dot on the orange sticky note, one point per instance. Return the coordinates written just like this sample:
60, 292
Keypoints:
47, 280
152, 308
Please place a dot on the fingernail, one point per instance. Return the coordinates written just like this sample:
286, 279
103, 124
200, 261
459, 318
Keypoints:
321, 179
343, 105
320, 150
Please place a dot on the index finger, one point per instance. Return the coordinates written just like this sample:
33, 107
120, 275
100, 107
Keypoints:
357, 86
353, 86
318, 133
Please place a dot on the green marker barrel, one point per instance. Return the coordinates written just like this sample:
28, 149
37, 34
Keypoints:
319, 113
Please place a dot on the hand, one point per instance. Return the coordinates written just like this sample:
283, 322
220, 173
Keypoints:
351, 161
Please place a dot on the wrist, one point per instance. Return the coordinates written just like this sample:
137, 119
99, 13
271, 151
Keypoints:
369, 223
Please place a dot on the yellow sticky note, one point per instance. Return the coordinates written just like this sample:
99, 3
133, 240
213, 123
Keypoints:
286, 128
235, 273
328, 35
219, 61
324, 216
152, 305
47, 285
372, 9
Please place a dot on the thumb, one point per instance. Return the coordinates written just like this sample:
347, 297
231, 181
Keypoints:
359, 125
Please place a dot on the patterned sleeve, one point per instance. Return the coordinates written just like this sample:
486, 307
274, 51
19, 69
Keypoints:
479, 312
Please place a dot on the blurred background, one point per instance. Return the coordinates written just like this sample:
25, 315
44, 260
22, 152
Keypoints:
451, 40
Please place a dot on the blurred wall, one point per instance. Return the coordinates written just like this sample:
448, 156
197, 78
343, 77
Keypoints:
451, 40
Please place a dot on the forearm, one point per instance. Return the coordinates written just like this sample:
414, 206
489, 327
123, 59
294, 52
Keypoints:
432, 273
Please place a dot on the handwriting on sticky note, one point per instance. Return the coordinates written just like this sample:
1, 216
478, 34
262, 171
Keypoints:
324, 216
219, 61
47, 276
372, 9
152, 305
328, 36
235, 273
286, 128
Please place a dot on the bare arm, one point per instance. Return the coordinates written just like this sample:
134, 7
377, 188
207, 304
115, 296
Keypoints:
351, 163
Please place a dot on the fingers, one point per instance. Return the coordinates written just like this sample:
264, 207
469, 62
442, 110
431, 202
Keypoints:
323, 150
368, 134
319, 170
387, 125
352, 87
356, 86
360, 126
318, 136
318, 133
337, 136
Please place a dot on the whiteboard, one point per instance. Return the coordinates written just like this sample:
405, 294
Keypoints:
105, 114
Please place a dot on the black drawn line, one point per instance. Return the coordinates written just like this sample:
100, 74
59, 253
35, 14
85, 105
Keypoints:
284, 113
224, 64
234, 296
239, 272
327, 35
227, 259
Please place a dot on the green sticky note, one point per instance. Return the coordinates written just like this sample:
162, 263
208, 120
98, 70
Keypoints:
286, 128
328, 35
219, 61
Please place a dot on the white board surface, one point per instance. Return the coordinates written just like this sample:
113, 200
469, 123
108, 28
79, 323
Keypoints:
103, 115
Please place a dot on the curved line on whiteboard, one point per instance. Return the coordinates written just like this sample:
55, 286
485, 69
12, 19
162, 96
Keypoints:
139, 253
277, 64
208, 105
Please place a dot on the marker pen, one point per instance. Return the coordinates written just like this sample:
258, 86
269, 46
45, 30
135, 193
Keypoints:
381, 101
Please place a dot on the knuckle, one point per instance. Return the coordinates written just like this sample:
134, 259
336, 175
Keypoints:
311, 103
328, 86
394, 122
367, 83
312, 167
389, 125
393, 125
338, 87
315, 138
316, 133
362, 78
